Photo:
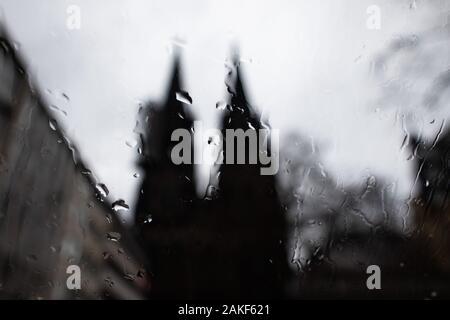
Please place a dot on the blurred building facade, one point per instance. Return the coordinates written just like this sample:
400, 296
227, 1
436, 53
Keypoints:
51, 213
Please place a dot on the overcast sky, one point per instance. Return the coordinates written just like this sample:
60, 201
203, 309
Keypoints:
307, 65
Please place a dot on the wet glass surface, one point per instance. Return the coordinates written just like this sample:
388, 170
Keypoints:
289, 150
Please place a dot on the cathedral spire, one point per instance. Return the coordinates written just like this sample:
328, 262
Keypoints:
161, 119
175, 81
241, 114
162, 179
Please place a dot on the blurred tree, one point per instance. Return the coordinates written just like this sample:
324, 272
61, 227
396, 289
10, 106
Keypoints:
415, 80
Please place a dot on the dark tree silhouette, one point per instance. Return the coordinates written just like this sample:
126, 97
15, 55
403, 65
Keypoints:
418, 59
432, 206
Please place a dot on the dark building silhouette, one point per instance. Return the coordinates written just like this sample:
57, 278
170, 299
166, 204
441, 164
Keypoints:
170, 184
252, 218
164, 208
226, 246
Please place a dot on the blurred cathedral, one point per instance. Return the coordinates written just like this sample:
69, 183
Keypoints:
231, 244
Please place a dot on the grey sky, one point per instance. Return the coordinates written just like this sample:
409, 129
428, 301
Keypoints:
307, 66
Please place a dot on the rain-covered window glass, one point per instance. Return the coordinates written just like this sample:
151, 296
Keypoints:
224, 149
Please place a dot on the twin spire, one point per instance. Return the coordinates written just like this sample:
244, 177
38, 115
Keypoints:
240, 113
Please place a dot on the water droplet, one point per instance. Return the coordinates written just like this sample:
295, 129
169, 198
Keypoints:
211, 193
113, 236
120, 205
109, 281
240, 109
221, 105
180, 115
148, 219
141, 273
102, 190
32, 257
86, 172
52, 123
130, 277
131, 143
58, 109
184, 97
